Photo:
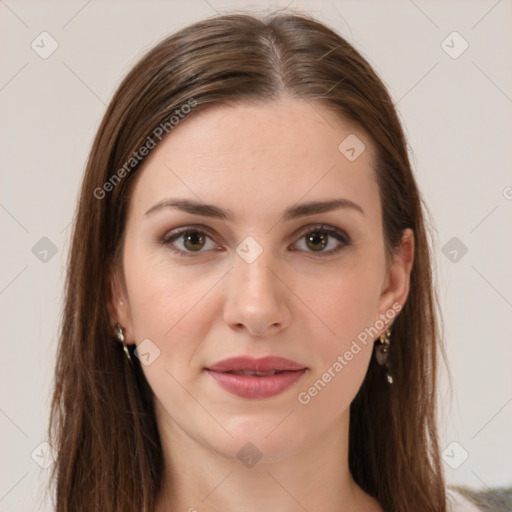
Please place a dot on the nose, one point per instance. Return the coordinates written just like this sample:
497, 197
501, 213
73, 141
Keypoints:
257, 299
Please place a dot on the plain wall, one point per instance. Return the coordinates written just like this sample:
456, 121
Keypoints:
457, 116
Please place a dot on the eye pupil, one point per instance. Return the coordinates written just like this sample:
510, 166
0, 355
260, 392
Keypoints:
194, 240
316, 238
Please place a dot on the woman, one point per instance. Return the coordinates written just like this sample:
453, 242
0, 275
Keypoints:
250, 321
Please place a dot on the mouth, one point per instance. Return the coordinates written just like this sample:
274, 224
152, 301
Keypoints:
256, 378
258, 374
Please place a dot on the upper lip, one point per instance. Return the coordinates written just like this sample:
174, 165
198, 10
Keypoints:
263, 364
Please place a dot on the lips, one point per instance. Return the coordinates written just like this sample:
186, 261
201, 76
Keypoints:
256, 378
264, 364
257, 373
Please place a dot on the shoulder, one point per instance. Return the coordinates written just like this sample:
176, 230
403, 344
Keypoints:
456, 502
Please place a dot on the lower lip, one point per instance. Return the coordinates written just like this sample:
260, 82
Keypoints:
252, 386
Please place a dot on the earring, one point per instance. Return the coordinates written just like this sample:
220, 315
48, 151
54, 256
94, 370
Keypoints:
382, 353
120, 337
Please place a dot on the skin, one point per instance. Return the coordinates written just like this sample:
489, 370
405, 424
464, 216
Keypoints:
293, 301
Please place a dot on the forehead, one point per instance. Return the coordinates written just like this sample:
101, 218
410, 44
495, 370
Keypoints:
260, 157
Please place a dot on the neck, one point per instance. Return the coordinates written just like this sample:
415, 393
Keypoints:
198, 478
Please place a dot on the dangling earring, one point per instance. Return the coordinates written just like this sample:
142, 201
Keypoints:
382, 353
120, 337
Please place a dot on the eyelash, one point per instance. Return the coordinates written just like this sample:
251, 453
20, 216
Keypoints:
341, 236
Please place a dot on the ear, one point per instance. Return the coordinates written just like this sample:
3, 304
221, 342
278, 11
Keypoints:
118, 305
396, 286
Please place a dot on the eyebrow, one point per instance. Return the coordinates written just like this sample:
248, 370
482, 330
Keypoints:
293, 212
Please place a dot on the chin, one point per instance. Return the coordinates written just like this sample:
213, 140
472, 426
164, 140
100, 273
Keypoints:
268, 439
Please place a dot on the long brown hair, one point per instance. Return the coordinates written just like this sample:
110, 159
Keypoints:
102, 419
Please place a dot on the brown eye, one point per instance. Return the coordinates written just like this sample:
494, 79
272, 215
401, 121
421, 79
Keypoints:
194, 240
186, 242
316, 240
322, 240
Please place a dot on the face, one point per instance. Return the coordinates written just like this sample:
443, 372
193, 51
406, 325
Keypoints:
257, 274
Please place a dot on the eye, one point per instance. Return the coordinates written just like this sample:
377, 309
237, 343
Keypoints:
323, 239
186, 241
318, 239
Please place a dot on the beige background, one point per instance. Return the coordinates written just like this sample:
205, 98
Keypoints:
457, 114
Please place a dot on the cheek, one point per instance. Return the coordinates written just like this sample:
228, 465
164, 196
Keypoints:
167, 305
343, 357
174, 312
346, 304
161, 293
347, 301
